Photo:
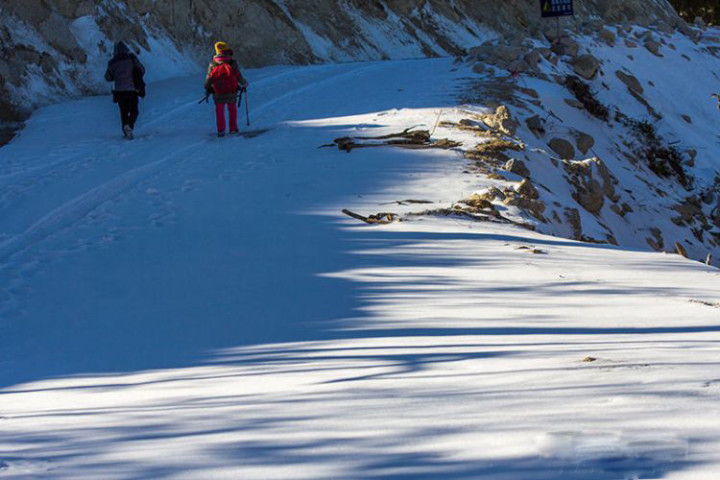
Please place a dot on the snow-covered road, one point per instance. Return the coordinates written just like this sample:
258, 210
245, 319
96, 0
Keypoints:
186, 307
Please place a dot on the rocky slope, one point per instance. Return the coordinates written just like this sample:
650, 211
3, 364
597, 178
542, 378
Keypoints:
597, 137
57, 48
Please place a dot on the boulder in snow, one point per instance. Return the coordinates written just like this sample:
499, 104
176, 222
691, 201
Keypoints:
586, 66
501, 121
630, 81
607, 36
563, 148
592, 182
584, 142
517, 167
572, 215
566, 46
536, 125
479, 202
528, 190
653, 47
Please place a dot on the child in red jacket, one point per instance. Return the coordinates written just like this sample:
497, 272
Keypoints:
224, 80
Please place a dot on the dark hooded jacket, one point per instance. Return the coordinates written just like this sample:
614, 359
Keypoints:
121, 69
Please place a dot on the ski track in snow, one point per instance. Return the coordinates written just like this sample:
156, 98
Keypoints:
73, 211
260, 335
76, 209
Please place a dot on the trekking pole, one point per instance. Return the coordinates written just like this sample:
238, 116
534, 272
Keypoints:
247, 107
204, 99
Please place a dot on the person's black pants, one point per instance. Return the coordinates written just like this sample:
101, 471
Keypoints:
128, 103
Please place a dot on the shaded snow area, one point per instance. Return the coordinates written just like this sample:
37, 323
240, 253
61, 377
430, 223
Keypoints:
182, 306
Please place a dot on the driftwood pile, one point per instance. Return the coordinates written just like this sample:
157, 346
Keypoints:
471, 212
408, 138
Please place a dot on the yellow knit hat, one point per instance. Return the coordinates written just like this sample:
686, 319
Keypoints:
221, 47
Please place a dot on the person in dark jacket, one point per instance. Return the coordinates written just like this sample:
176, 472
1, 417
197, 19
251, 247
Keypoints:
127, 72
223, 81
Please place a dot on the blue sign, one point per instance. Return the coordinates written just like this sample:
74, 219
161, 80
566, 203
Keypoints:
556, 8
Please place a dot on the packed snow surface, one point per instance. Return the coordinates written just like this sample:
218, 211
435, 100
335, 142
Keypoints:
182, 306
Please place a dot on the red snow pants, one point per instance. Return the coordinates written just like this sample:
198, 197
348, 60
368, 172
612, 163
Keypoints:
220, 116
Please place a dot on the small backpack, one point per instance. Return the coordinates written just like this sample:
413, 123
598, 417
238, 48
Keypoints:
224, 79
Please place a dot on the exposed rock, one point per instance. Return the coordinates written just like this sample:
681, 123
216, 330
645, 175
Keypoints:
496, 193
687, 118
657, 242
532, 59
630, 82
518, 66
501, 121
708, 197
574, 103
680, 250
479, 68
528, 190
530, 92
563, 148
586, 66
536, 125
584, 142
591, 197
507, 54
479, 202
592, 182
493, 150
630, 44
607, 36
566, 46
653, 47
690, 211
546, 53
663, 27
58, 34
608, 180
536, 208
496, 176
517, 167
715, 216
501, 56
572, 215
621, 210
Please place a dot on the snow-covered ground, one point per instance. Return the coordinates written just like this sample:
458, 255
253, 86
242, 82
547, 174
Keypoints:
186, 307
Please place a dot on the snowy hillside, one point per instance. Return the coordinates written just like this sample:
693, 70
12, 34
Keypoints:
55, 49
612, 137
180, 306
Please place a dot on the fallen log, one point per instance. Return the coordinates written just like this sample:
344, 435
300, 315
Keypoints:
376, 219
416, 139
